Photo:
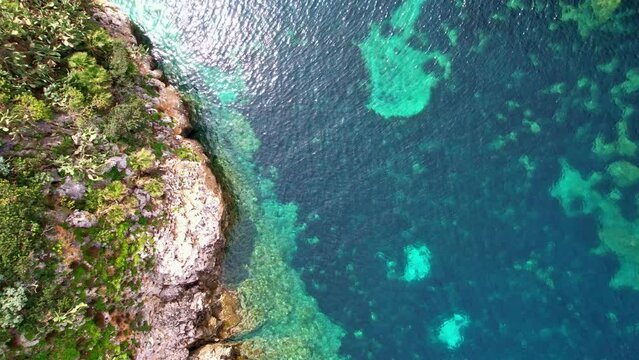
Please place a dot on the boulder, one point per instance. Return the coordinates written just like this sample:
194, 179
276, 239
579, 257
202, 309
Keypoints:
82, 219
72, 189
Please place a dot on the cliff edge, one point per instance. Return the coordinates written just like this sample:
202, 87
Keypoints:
180, 295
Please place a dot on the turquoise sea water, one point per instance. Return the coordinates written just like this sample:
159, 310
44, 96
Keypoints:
421, 179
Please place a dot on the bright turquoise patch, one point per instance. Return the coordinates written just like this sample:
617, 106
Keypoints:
417, 263
450, 331
400, 86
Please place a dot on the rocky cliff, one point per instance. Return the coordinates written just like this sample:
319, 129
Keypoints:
181, 294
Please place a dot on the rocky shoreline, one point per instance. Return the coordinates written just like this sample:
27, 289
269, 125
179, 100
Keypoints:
182, 294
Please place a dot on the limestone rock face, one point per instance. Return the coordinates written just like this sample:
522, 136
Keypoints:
178, 295
213, 351
194, 223
82, 219
72, 189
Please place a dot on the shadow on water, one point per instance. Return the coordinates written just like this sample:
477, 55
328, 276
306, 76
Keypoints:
234, 224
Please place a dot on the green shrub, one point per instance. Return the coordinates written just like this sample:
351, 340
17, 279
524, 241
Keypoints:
125, 120
68, 98
5, 170
29, 108
142, 160
114, 192
115, 215
93, 200
90, 79
120, 65
99, 41
186, 154
96, 200
154, 187
89, 156
72, 98
5, 90
28, 170
12, 301
20, 232
10, 123
66, 147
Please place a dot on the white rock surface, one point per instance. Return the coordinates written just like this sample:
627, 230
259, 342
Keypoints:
179, 295
82, 219
72, 189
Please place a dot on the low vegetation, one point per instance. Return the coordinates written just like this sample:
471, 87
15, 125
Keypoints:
78, 184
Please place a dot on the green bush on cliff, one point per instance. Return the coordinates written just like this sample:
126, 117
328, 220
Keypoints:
125, 120
54, 59
99, 42
20, 232
115, 215
91, 79
186, 154
114, 192
5, 170
28, 108
26, 170
154, 187
5, 90
120, 65
72, 99
24, 109
96, 200
12, 301
142, 160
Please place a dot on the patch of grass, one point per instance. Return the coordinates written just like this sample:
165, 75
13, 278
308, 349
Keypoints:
21, 211
186, 153
142, 160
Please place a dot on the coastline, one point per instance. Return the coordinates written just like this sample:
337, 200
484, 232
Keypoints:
183, 299
277, 319
123, 216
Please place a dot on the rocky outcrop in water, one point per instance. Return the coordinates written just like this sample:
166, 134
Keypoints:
181, 294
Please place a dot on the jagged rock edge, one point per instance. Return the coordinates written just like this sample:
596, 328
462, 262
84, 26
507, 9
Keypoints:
181, 294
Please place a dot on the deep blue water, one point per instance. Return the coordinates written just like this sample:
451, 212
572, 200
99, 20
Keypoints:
503, 252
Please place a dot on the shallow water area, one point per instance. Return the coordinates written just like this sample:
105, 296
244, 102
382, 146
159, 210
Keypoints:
421, 179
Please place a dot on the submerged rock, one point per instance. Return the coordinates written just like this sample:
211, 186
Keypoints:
213, 351
623, 173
